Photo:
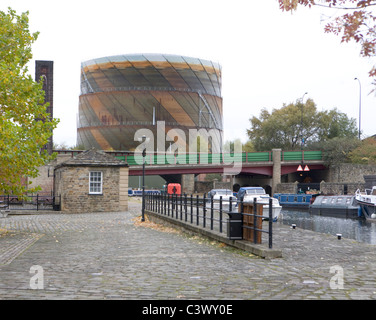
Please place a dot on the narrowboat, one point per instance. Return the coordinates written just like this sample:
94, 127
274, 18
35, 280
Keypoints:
295, 201
340, 206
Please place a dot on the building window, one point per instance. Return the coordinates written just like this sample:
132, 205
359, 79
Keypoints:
95, 182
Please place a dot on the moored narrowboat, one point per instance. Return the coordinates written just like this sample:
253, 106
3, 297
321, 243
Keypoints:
341, 206
294, 201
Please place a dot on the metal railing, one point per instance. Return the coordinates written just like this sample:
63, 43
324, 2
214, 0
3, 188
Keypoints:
30, 202
215, 215
166, 158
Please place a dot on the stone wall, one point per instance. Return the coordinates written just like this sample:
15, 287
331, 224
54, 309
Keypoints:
335, 188
72, 183
286, 188
45, 178
350, 173
206, 186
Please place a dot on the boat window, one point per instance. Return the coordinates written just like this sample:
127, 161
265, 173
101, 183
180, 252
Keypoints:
339, 200
373, 191
223, 192
348, 200
303, 199
255, 191
295, 199
333, 200
325, 200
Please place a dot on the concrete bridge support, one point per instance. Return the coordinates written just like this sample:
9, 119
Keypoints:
188, 183
276, 169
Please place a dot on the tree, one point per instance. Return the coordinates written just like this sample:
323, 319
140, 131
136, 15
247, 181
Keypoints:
288, 127
337, 150
358, 23
365, 153
25, 126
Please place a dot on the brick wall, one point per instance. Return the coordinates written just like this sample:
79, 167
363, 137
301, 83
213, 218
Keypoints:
72, 183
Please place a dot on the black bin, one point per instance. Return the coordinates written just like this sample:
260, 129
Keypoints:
235, 226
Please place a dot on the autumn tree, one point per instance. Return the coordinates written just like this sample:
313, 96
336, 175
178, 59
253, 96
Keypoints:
365, 153
356, 22
298, 125
25, 126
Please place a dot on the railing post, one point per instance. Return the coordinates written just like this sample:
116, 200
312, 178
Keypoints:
164, 204
211, 212
204, 211
241, 204
168, 205
220, 214
191, 208
270, 223
37, 202
185, 207
255, 232
197, 210
181, 206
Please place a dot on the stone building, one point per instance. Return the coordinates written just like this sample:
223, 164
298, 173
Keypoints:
92, 181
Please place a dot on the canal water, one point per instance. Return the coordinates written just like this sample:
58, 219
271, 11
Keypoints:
357, 229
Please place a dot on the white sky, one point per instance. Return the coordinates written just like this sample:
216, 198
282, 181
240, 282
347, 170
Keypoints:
268, 57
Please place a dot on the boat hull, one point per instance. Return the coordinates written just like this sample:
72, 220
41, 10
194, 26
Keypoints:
340, 206
368, 210
367, 203
276, 211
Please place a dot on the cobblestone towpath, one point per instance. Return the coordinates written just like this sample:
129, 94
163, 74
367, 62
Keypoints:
109, 256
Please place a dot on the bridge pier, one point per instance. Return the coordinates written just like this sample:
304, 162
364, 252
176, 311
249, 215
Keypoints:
276, 178
188, 183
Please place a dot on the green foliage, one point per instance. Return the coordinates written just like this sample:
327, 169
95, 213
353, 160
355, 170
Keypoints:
337, 150
365, 153
287, 127
25, 126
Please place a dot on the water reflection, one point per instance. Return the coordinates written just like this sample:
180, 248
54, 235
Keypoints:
359, 230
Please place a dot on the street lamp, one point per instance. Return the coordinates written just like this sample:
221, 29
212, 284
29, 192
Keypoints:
301, 124
360, 103
143, 181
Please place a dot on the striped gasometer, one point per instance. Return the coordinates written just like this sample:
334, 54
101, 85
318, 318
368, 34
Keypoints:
121, 94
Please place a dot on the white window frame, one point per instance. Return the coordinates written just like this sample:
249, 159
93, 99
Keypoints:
95, 182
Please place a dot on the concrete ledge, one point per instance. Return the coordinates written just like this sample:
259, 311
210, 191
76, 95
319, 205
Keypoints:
257, 249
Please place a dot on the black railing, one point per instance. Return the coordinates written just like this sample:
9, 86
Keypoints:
30, 202
215, 215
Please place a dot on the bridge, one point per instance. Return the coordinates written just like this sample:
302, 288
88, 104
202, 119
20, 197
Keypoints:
195, 163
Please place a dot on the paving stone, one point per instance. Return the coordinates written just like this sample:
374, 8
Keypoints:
105, 256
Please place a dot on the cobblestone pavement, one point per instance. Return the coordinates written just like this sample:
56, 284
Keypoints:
107, 256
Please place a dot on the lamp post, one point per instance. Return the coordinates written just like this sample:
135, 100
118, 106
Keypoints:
360, 103
301, 124
143, 181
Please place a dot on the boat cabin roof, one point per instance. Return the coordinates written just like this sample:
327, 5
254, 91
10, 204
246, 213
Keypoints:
335, 201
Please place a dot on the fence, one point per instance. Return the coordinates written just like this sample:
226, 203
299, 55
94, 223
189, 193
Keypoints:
30, 202
216, 215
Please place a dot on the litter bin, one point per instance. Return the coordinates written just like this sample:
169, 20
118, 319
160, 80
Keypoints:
252, 222
235, 226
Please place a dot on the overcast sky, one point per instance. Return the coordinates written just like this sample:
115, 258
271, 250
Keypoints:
268, 57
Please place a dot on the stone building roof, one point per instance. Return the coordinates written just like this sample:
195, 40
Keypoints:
93, 158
